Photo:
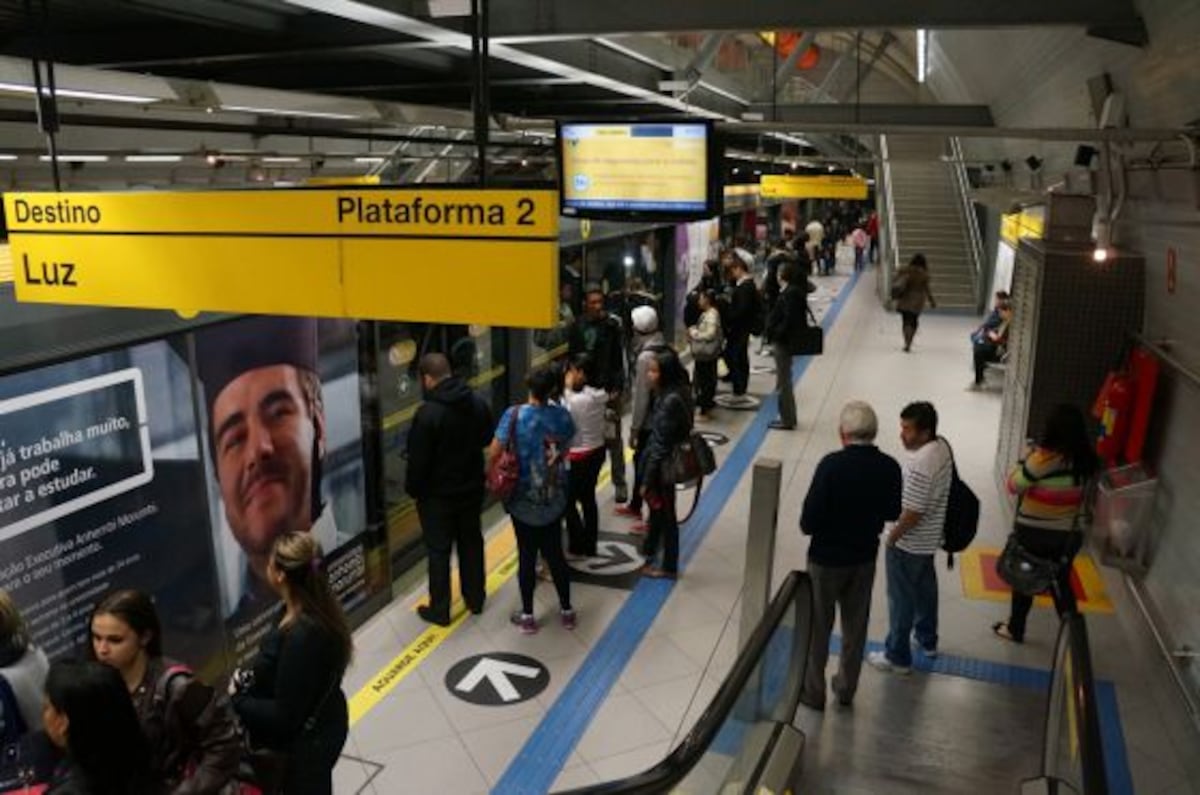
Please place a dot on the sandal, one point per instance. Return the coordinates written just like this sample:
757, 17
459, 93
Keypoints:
1000, 629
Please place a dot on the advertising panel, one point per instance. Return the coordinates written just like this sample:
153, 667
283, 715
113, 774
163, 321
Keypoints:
101, 487
282, 430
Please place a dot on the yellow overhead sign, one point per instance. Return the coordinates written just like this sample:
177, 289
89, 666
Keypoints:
368, 179
824, 186
450, 256
1027, 223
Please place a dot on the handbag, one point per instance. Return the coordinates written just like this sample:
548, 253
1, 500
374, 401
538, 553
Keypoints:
1024, 571
707, 350
693, 460
263, 771
808, 340
504, 471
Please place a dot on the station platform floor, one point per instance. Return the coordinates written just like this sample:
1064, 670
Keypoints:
614, 696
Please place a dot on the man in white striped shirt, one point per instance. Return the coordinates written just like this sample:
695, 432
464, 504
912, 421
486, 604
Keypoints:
914, 540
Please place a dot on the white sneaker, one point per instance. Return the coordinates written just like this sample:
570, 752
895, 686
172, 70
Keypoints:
879, 661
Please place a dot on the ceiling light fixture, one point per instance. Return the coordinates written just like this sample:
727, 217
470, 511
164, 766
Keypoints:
153, 158
314, 114
76, 158
922, 55
71, 93
280, 159
8, 157
371, 159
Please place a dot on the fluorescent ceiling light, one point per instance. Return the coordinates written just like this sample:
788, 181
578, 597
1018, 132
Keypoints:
315, 114
922, 55
153, 158
76, 158
274, 159
370, 159
72, 93
8, 157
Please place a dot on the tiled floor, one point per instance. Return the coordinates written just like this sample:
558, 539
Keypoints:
427, 740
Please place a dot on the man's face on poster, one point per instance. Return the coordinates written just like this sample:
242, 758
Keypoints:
265, 432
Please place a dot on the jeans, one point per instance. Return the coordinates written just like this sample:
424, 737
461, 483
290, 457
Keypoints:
737, 356
664, 527
582, 532
912, 604
859, 258
848, 589
783, 383
614, 440
546, 539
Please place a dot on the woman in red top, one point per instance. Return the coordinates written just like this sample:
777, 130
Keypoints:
1051, 484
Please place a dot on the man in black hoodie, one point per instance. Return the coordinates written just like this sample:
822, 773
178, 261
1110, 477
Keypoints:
445, 477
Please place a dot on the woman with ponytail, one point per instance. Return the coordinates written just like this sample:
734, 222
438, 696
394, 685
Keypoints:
290, 700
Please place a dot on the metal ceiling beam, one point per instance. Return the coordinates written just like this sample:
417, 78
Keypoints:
785, 70
523, 19
214, 59
1071, 134
841, 114
377, 13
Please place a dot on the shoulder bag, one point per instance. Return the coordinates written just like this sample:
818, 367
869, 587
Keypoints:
1030, 574
707, 350
504, 471
808, 340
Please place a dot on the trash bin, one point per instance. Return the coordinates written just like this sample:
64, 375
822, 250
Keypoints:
1124, 505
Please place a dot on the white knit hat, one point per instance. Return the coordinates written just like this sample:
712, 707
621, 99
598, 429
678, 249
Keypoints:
645, 319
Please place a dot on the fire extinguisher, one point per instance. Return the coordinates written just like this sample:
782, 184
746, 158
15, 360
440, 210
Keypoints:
1113, 407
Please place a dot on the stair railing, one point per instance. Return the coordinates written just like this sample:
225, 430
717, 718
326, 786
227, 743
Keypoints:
969, 219
890, 244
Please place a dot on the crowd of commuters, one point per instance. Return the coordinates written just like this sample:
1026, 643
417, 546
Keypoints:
129, 720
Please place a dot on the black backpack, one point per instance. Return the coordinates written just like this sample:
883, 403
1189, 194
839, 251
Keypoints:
962, 513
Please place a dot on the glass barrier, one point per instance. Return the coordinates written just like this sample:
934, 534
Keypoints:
1073, 757
723, 751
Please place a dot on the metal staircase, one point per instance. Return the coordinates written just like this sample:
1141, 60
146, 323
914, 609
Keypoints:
933, 215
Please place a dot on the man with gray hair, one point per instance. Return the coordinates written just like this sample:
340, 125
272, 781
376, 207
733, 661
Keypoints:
854, 491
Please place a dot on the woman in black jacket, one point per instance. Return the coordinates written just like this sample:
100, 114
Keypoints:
87, 713
670, 424
190, 727
291, 700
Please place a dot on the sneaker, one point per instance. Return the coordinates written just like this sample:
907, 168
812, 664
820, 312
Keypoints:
930, 653
622, 494
525, 622
879, 661
568, 619
625, 510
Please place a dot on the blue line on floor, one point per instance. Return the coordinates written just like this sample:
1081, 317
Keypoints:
1112, 737
535, 767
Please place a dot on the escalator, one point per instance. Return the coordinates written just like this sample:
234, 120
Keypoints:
748, 741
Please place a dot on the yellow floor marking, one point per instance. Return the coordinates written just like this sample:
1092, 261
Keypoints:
980, 581
500, 559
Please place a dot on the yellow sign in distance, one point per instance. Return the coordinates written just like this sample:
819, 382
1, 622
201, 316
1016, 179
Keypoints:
451, 256
365, 179
824, 186
1027, 223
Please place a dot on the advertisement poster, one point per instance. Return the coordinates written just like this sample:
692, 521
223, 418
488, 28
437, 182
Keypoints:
101, 487
282, 429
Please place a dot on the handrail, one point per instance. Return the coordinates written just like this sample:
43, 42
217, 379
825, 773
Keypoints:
969, 218
1073, 685
672, 769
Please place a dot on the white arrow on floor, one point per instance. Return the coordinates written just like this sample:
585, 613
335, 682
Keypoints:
497, 673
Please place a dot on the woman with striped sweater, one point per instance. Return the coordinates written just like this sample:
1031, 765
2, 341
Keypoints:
1051, 485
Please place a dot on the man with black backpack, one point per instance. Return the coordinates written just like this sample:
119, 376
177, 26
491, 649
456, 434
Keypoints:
914, 540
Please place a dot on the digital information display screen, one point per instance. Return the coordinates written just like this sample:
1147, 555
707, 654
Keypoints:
635, 168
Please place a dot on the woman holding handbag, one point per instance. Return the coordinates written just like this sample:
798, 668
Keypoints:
1051, 485
670, 424
706, 340
541, 434
290, 701
192, 734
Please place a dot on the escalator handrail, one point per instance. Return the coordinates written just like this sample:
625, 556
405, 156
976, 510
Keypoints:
677, 764
1080, 695
1091, 746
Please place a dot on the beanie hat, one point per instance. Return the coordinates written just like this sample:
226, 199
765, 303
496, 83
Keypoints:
645, 319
